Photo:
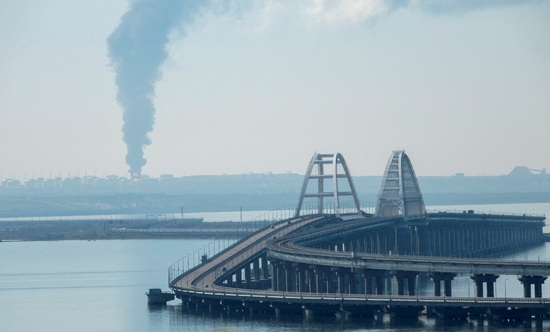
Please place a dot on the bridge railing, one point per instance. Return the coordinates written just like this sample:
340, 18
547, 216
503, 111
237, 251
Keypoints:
250, 293
193, 259
490, 213
308, 208
344, 207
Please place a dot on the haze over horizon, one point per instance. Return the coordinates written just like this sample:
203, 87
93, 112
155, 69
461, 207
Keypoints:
258, 87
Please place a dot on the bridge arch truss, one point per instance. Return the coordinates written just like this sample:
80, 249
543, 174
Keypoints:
400, 193
316, 172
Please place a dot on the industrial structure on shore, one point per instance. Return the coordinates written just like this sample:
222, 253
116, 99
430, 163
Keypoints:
332, 257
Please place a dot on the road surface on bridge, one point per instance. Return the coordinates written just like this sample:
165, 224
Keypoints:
199, 281
289, 249
203, 276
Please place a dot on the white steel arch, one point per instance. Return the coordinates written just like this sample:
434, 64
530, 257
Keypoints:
316, 166
399, 192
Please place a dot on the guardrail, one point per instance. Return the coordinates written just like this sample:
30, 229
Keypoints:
490, 213
246, 294
201, 282
251, 249
265, 220
180, 230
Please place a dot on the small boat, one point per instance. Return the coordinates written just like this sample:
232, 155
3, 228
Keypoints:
157, 296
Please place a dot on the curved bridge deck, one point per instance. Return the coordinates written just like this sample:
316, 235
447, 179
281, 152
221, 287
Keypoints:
212, 282
203, 276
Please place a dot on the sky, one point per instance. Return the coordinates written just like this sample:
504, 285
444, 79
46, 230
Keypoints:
260, 86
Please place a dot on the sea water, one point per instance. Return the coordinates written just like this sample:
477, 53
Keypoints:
100, 286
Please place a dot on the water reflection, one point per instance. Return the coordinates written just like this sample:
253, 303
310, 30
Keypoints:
181, 317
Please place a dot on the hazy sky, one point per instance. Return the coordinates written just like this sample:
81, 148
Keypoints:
260, 86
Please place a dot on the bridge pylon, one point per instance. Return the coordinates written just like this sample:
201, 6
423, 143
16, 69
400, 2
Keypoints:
399, 192
316, 173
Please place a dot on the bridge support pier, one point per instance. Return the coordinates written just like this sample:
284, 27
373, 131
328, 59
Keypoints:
292, 277
374, 281
312, 279
282, 284
265, 267
379, 284
446, 278
239, 278
247, 274
256, 269
329, 280
367, 278
489, 279
284, 280
276, 275
300, 276
410, 277
354, 286
528, 280
339, 274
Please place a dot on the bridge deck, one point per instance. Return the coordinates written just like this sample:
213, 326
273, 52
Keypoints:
267, 296
290, 250
203, 276
199, 281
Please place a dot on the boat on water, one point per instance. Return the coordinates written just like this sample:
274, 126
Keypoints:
157, 296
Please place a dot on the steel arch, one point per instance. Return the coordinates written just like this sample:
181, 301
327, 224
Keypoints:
320, 160
399, 193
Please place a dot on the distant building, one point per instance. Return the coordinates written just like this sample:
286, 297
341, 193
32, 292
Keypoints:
523, 171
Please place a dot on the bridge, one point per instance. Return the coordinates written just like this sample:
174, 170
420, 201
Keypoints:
345, 261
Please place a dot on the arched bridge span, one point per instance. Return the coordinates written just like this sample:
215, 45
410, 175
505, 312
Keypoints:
330, 262
400, 193
285, 266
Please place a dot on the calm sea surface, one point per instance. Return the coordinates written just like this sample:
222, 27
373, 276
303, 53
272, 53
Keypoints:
101, 285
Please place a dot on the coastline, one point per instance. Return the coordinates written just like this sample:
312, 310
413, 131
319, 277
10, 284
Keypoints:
92, 230
217, 226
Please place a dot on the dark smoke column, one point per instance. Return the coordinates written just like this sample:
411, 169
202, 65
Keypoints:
137, 49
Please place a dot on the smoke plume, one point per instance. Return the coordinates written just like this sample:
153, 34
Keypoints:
137, 49
354, 11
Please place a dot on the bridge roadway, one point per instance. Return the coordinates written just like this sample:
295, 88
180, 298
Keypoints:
199, 283
203, 276
290, 249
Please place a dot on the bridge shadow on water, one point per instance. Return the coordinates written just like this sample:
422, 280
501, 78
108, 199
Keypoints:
182, 318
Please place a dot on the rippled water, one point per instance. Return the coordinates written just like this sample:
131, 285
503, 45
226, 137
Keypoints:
100, 286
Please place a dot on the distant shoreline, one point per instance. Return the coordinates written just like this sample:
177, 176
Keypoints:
145, 203
51, 229
90, 230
